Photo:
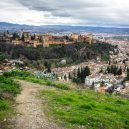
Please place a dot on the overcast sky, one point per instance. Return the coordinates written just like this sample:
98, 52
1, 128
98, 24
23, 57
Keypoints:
66, 12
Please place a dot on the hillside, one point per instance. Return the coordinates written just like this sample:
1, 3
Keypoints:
8, 90
62, 105
73, 53
86, 109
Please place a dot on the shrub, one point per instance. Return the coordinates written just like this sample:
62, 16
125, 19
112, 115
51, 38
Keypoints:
17, 73
9, 86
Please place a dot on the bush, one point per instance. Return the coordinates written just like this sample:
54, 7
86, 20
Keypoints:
17, 73
2, 57
105, 57
23, 75
9, 86
8, 89
4, 105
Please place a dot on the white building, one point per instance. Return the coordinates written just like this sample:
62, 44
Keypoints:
108, 79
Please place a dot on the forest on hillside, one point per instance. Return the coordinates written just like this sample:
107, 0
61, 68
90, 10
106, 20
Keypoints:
74, 53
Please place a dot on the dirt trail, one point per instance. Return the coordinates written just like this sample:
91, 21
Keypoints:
30, 109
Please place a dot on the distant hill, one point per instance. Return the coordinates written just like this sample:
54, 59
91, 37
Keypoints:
2, 24
60, 28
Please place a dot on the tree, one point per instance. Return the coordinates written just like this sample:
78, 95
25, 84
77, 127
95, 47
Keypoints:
109, 69
114, 70
127, 69
15, 36
102, 84
127, 76
101, 71
119, 72
82, 75
86, 71
2, 57
69, 76
65, 77
48, 66
74, 73
78, 73
109, 62
93, 86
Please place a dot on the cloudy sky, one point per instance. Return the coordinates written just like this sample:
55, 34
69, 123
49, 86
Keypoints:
66, 12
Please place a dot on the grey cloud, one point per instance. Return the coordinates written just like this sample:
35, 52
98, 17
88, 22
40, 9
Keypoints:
83, 12
60, 8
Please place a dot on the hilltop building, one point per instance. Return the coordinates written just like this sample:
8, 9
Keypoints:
45, 40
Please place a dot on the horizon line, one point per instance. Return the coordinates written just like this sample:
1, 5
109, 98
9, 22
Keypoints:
103, 26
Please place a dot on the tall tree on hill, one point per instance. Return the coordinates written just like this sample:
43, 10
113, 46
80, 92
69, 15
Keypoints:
108, 69
86, 71
15, 36
127, 76
78, 73
65, 77
74, 73
69, 76
82, 75
114, 70
119, 72
48, 66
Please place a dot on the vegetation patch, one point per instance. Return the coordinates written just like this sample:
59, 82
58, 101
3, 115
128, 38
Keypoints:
77, 108
8, 90
77, 53
23, 75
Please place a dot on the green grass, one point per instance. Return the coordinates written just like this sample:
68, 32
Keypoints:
23, 75
8, 90
8, 86
5, 109
15, 73
46, 82
87, 108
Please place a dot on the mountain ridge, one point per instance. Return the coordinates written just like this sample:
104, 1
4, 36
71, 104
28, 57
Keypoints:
60, 28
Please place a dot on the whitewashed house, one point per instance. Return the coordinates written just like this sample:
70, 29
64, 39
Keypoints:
108, 79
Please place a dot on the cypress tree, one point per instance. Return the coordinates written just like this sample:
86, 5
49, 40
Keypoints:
127, 76
119, 72
65, 77
109, 69
74, 73
82, 75
78, 73
88, 71
69, 76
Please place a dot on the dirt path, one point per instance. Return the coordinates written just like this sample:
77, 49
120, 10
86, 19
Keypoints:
30, 109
